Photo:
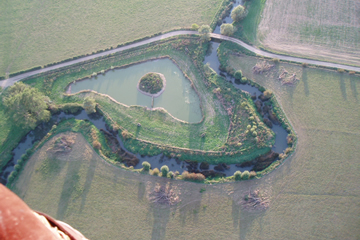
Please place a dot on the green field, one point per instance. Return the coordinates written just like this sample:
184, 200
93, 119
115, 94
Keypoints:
35, 33
314, 195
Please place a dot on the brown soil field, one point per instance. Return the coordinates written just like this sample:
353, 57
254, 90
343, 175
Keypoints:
327, 30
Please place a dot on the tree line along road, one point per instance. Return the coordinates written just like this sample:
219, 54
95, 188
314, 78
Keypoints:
10, 81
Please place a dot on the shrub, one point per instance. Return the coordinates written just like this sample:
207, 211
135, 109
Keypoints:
340, 70
351, 72
245, 175
96, 144
171, 174
243, 80
275, 60
94, 74
237, 175
227, 29
196, 177
146, 166
17, 167
238, 75
252, 174
194, 27
89, 105
164, 170
125, 134
268, 93
304, 65
155, 172
238, 13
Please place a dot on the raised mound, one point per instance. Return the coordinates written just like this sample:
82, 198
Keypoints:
152, 83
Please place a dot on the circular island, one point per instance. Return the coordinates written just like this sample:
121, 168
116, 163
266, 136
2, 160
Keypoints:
152, 84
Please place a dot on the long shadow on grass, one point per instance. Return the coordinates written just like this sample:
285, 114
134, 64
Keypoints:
305, 80
353, 80
343, 87
161, 218
89, 177
71, 180
161, 212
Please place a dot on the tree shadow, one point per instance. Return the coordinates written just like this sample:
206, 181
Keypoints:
343, 86
141, 191
305, 80
161, 212
353, 80
246, 221
71, 180
89, 177
161, 218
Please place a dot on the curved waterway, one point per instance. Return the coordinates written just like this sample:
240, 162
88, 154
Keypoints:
156, 161
179, 98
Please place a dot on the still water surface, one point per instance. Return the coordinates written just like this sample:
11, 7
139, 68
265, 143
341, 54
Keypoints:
179, 98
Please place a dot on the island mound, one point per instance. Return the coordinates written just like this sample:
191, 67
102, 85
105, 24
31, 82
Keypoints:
152, 84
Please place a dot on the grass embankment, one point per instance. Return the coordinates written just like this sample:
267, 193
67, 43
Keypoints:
247, 28
30, 38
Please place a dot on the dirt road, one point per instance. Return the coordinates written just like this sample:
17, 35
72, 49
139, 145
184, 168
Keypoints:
10, 81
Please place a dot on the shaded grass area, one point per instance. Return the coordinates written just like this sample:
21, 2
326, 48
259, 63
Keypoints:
37, 33
247, 28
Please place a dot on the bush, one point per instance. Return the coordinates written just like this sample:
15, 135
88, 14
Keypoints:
196, 177
304, 65
268, 94
164, 170
170, 174
252, 174
227, 29
155, 172
89, 105
194, 27
340, 70
243, 80
96, 144
351, 72
146, 166
275, 60
245, 175
238, 75
238, 13
17, 167
237, 175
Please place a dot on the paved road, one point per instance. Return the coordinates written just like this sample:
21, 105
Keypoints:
10, 81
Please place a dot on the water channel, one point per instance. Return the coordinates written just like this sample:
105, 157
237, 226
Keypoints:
121, 85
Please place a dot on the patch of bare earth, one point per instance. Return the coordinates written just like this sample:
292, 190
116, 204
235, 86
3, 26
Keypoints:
320, 29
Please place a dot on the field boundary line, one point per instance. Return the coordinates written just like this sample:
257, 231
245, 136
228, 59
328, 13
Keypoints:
10, 81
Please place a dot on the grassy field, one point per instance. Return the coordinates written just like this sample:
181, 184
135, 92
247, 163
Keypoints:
325, 30
36, 33
314, 195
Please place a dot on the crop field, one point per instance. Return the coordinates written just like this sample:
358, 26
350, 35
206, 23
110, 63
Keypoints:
319, 29
314, 195
40, 32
